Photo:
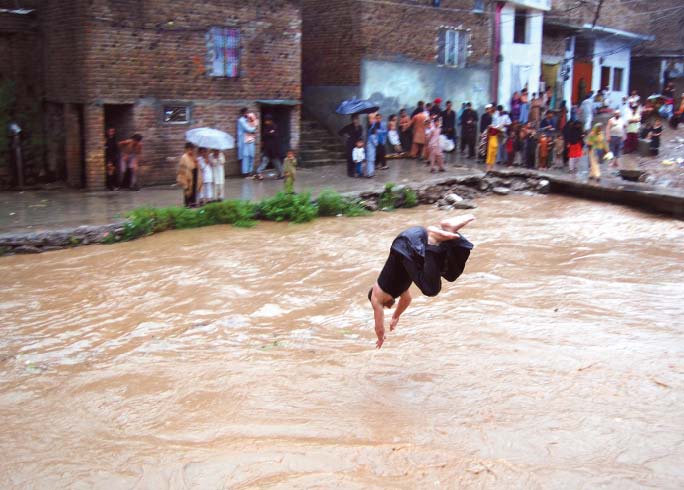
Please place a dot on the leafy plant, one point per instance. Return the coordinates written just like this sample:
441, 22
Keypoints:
297, 208
331, 203
388, 197
410, 198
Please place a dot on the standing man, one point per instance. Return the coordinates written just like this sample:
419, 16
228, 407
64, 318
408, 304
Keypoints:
587, 110
436, 110
449, 123
241, 124
485, 122
112, 157
421, 256
351, 133
189, 176
131, 149
380, 129
616, 132
405, 130
418, 123
270, 150
420, 107
468, 130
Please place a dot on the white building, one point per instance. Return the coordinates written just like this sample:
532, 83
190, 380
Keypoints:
595, 58
519, 26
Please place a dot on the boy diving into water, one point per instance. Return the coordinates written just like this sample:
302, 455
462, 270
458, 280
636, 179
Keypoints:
421, 256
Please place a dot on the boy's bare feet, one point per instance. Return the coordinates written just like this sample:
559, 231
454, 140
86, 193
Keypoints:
456, 223
437, 235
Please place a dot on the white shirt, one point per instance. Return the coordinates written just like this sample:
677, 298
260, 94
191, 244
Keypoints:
358, 154
207, 172
218, 167
617, 127
587, 107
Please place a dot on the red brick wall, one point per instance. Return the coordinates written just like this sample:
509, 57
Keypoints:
338, 35
411, 30
152, 52
331, 45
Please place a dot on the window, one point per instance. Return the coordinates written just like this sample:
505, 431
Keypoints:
520, 27
478, 6
223, 52
176, 114
617, 79
453, 47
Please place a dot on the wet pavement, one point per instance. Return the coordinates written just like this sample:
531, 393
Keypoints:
32, 211
35, 211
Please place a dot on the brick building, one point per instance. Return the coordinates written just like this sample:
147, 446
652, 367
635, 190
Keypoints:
394, 52
159, 68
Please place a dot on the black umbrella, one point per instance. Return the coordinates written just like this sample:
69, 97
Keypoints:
357, 106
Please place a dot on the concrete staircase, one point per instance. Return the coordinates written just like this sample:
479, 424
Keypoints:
317, 146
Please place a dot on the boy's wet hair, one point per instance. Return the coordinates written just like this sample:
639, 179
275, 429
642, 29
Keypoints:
189, 146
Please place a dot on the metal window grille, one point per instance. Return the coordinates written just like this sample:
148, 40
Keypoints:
223, 52
176, 114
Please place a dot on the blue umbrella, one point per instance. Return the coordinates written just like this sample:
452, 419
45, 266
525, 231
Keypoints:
357, 106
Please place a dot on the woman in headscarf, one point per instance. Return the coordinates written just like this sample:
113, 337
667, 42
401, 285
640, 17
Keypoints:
596, 141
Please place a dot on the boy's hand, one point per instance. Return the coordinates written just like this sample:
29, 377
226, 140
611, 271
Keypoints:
393, 323
380, 332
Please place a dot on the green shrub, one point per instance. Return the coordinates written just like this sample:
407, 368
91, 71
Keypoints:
410, 198
331, 203
297, 208
388, 197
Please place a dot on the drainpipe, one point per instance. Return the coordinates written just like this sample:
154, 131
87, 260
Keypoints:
496, 52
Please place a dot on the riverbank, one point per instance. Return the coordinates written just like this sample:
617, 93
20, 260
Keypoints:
458, 188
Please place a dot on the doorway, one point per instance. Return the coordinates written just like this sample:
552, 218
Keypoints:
281, 115
119, 117
581, 81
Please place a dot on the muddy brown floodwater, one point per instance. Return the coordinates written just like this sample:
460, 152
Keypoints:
243, 359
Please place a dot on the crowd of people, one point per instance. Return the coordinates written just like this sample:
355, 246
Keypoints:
530, 132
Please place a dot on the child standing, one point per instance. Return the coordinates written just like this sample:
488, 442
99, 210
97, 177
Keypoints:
290, 171
434, 147
189, 177
654, 135
218, 163
558, 150
393, 136
543, 150
207, 193
359, 157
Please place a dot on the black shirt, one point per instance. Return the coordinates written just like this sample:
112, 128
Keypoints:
485, 121
112, 150
352, 133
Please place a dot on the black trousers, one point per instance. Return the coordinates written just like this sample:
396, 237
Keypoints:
469, 141
399, 272
351, 167
380, 152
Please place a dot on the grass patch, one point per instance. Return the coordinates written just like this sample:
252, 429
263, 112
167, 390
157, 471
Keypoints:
331, 203
295, 208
